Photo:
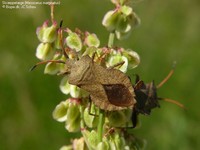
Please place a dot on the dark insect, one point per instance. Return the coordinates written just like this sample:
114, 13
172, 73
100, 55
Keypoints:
146, 97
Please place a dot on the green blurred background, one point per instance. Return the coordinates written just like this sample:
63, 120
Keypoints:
169, 31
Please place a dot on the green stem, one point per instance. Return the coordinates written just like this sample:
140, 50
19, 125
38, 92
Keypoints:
100, 125
111, 39
82, 121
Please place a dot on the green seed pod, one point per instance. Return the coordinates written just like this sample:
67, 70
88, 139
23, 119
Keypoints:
91, 50
92, 40
73, 126
118, 58
112, 145
72, 123
50, 34
117, 119
133, 58
53, 68
65, 86
79, 144
123, 25
74, 41
60, 112
68, 147
119, 141
110, 20
136, 143
45, 51
40, 31
122, 35
126, 10
90, 120
75, 91
91, 139
58, 44
103, 146
134, 20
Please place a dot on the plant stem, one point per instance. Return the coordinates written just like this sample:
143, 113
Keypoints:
82, 121
111, 39
100, 125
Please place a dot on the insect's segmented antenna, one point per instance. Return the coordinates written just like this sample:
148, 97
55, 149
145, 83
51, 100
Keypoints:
45, 62
173, 101
168, 76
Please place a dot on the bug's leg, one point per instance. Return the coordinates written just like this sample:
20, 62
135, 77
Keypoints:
110, 131
116, 65
134, 118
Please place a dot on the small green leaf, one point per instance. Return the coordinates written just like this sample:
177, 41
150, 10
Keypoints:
45, 51
58, 44
79, 144
133, 58
50, 33
103, 146
68, 147
51, 68
74, 41
73, 111
123, 25
60, 112
117, 119
126, 10
75, 91
110, 20
92, 40
65, 86
40, 30
72, 123
91, 139
90, 120
115, 59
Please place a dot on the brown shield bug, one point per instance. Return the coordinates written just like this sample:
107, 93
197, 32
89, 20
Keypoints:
146, 97
109, 88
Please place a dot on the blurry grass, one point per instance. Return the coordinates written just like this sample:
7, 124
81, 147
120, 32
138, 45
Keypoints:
169, 31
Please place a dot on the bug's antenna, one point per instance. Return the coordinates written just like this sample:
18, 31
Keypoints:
61, 22
45, 62
173, 101
168, 76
